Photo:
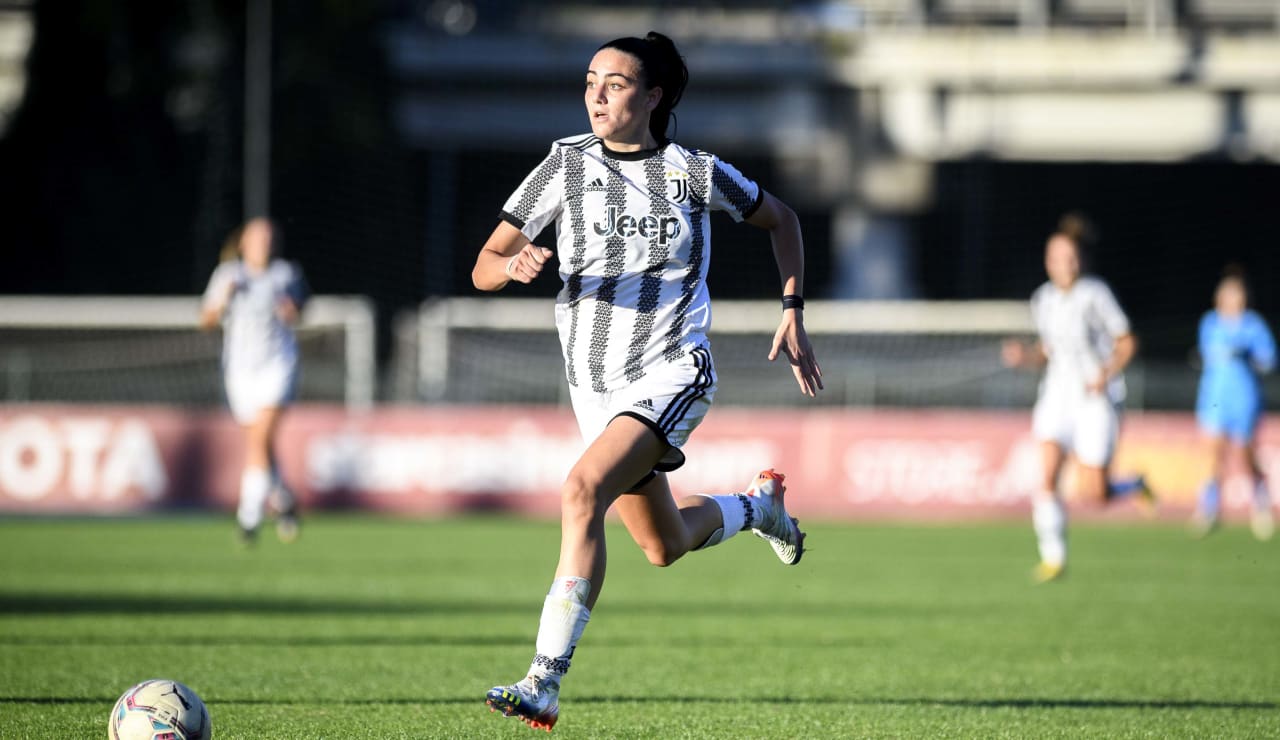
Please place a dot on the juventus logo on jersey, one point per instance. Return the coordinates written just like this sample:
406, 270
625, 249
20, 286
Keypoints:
678, 186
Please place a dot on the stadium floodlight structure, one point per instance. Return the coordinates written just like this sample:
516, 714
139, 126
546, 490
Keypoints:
898, 353
148, 349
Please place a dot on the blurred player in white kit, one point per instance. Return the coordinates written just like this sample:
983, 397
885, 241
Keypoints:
257, 297
1085, 344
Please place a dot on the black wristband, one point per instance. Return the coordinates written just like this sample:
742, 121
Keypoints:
792, 301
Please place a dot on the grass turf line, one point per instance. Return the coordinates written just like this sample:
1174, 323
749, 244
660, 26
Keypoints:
372, 627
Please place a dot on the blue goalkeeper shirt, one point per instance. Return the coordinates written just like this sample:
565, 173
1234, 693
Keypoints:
1235, 350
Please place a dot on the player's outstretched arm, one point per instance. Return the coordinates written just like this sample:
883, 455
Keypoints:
507, 256
790, 339
1015, 353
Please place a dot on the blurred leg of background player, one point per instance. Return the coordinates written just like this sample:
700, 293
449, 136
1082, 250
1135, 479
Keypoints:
1261, 520
261, 479
1049, 516
1094, 427
1223, 451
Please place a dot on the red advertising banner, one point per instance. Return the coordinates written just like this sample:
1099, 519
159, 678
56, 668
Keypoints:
438, 460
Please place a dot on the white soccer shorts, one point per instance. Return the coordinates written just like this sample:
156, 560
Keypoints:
671, 399
1084, 426
269, 386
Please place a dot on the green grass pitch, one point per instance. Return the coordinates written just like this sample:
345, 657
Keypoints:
384, 628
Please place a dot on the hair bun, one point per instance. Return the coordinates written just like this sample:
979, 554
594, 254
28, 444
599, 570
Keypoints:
654, 37
1078, 228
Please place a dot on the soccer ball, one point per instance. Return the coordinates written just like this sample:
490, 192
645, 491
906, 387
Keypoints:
159, 709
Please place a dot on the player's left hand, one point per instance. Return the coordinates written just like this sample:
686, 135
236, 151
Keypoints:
1098, 384
287, 311
792, 340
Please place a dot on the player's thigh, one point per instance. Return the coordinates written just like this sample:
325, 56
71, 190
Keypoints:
265, 423
1241, 424
651, 515
1052, 420
622, 454
1097, 427
252, 389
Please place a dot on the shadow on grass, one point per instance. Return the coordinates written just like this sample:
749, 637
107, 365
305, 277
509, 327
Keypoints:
178, 640
161, 604
1008, 703
88, 603
199, 641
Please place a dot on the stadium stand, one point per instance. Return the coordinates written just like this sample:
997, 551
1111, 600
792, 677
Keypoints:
16, 34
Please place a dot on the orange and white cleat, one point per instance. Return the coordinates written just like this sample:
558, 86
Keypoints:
775, 526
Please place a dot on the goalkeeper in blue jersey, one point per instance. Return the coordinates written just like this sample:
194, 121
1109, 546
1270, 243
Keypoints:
1235, 348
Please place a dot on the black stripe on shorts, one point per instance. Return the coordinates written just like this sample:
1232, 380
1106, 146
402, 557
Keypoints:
684, 400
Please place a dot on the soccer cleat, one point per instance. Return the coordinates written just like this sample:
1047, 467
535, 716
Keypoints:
287, 527
1145, 498
536, 701
776, 527
246, 538
1046, 572
1262, 523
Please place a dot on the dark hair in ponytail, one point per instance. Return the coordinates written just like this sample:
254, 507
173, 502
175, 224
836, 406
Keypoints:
661, 66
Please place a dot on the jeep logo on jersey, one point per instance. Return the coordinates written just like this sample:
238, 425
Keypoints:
627, 226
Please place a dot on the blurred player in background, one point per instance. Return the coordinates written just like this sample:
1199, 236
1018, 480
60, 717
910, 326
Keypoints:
1235, 347
1086, 343
257, 297
632, 211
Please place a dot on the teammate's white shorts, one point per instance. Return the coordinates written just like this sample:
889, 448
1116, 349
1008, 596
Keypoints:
671, 399
1084, 426
251, 390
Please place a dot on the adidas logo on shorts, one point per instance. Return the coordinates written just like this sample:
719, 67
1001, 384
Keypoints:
646, 404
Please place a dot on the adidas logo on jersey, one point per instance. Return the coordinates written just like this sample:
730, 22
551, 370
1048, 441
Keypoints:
595, 186
626, 226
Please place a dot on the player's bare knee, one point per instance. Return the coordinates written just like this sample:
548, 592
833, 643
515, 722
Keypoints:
579, 498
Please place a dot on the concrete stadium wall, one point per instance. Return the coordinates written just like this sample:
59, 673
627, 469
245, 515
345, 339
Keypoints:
439, 460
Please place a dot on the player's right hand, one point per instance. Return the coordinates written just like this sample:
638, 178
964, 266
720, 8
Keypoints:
528, 263
1013, 353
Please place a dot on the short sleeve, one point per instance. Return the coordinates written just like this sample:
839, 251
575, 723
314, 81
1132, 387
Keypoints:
733, 192
1108, 311
1206, 333
222, 276
538, 200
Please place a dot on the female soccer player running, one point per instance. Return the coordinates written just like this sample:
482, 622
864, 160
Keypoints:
1235, 347
257, 298
632, 210
1086, 342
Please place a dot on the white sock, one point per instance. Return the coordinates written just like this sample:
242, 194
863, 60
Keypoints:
255, 486
1050, 521
564, 617
738, 511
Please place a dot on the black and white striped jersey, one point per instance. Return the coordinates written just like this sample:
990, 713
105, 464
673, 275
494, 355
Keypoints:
633, 242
